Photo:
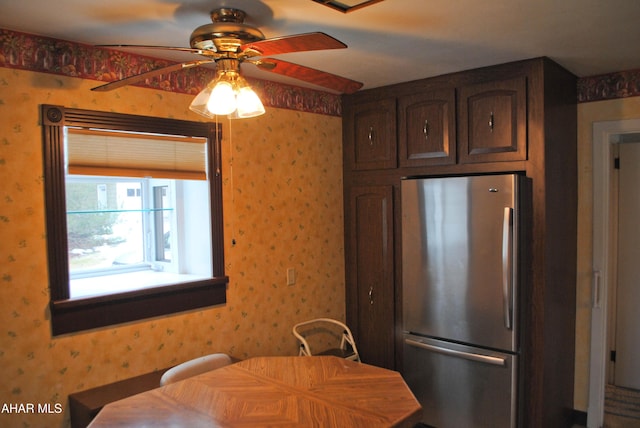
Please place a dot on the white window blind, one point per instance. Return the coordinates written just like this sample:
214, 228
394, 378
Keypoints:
107, 153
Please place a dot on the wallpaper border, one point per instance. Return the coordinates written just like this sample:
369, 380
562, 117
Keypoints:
621, 84
48, 55
44, 54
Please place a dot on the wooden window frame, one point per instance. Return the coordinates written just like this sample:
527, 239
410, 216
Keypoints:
72, 315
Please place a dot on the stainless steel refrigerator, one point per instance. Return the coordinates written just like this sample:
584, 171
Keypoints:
460, 270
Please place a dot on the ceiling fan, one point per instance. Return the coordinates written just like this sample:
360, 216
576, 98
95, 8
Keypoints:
229, 42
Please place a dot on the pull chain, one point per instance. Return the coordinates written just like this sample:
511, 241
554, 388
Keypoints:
233, 192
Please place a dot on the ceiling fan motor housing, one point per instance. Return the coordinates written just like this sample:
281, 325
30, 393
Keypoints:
227, 32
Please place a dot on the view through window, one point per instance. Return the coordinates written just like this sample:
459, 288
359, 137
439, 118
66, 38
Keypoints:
129, 233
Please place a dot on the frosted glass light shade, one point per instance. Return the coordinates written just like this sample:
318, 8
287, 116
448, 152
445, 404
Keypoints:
249, 105
199, 103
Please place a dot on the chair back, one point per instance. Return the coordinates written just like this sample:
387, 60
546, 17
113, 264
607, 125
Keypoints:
194, 367
326, 336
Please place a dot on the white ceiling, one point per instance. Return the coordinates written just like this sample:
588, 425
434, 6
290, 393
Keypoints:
388, 42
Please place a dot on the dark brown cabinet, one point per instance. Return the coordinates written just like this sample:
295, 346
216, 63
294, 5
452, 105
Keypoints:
493, 121
372, 135
426, 128
371, 229
517, 118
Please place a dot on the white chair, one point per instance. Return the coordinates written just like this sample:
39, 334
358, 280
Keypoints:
327, 337
194, 367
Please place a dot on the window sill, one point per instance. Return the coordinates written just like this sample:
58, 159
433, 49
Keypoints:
68, 316
131, 281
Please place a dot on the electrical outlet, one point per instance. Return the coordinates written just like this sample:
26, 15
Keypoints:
291, 276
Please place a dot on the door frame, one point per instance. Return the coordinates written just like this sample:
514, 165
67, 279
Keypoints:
605, 134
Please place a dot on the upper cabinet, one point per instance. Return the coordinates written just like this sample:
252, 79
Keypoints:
371, 141
493, 121
426, 130
466, 118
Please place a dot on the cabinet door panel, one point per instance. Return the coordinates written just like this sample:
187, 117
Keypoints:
373, 142
492, 121
370, 310
427, 128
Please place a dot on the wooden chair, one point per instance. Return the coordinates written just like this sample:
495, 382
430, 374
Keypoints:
194, 367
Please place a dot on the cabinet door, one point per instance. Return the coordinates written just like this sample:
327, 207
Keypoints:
427, 128
370, 278
372, 141
493, 121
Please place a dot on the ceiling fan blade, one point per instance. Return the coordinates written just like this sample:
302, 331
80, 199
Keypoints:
140, 77
295, 43
169, 48
310, 75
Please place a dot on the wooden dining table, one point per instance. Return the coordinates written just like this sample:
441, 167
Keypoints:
318, 391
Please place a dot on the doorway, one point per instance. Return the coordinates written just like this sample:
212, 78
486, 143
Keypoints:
625, 346
606, 325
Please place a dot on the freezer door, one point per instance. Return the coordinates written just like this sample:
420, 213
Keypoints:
461, 386
459, 247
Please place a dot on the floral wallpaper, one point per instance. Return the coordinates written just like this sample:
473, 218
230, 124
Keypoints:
282, 207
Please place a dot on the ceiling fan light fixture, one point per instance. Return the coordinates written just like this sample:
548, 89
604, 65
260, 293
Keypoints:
228, 94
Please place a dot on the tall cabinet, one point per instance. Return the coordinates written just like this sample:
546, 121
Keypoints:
517, 117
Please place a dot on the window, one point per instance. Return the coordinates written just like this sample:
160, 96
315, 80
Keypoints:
134, 217
125, 195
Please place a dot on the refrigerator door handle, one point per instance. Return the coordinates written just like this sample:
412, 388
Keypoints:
507, 283
496, 361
